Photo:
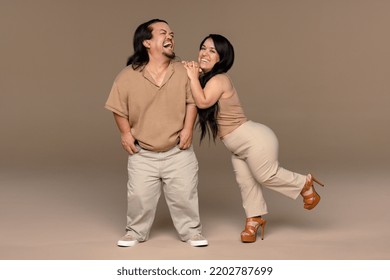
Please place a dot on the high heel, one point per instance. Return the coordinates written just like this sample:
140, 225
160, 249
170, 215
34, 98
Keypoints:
249, 234
312, 199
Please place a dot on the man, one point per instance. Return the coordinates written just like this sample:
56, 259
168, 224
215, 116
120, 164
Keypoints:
155, 113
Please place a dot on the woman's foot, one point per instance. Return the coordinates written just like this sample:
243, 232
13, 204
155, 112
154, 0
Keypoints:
309, 194
249, 234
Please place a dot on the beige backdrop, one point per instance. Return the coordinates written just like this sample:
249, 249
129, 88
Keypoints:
316, 72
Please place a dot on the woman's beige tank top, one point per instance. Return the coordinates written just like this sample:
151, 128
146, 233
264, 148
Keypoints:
230, 115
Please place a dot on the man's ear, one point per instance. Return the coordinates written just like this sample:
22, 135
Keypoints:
146, 44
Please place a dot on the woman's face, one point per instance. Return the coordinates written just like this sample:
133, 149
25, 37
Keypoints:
208, 56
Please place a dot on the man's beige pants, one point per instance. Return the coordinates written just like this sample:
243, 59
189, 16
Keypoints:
254, 150
174, 171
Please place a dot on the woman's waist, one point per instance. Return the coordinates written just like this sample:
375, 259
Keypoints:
225, 127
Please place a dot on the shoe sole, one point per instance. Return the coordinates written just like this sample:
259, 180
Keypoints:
248, 240
202, 243
127, 243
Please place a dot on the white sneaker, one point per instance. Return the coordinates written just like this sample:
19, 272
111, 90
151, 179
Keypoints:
127, 240
198, 241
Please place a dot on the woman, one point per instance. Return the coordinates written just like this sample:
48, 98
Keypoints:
254, 146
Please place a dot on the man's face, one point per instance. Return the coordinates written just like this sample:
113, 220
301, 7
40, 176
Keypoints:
162, 41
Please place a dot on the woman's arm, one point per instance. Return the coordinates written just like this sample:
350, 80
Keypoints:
210, 94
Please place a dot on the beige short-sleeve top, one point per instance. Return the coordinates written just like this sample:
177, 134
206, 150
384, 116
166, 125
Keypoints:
155, 113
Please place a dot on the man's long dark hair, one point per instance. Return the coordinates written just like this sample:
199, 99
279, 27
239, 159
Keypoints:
143, 32
208, 117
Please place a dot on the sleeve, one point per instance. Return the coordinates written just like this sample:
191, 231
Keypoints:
117, 101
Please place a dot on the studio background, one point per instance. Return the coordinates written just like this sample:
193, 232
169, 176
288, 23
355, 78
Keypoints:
316, 72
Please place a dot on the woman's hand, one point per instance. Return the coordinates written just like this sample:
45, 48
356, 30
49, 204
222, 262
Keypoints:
193, 69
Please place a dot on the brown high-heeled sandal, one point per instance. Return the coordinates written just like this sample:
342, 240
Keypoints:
249, 234
310, 200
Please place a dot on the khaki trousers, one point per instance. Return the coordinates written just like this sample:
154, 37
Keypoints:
254, 150
174, 171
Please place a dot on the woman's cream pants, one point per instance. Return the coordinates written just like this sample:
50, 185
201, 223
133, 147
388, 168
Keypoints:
254, 150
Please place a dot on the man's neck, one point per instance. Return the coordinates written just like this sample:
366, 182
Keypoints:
158, 69
158, 65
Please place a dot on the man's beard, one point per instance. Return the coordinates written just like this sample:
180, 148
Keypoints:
171, 55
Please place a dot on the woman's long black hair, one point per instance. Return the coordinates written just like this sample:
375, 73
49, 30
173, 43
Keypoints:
208, 117
143, 32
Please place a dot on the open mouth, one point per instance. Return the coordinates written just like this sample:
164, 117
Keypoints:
168, 45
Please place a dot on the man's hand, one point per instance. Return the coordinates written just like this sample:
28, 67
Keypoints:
127, 139
128, 143
185, 138
186, 133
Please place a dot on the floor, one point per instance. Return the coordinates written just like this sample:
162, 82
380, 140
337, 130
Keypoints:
78, 212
